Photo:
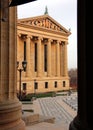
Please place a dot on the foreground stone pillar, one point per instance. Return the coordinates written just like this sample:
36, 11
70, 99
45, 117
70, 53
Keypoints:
10, 107
84, 118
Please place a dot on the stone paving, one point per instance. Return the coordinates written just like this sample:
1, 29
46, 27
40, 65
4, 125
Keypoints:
62, 108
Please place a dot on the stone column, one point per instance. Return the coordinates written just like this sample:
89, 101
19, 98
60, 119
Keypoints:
49, 58
39, 63
61, 60
65, 68
58, 59
10, 107
28, 57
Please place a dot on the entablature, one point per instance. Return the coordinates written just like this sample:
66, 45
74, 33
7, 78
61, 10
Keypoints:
43, 38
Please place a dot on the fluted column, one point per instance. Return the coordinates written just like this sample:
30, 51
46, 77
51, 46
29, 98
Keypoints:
61, 60
49, 58
39, 63
28, 57
58, 59
65, 71
10, 107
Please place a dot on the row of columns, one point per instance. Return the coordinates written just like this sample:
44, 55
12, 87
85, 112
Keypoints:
61, 57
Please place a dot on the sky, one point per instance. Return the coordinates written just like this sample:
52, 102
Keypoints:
64, 12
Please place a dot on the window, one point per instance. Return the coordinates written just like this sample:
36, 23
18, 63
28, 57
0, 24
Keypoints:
46, 84
35, 56
24, 86
24, 50
35, 85
55, 84
64, 84
45, 58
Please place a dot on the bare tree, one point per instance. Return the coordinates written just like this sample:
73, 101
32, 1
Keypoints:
73, 78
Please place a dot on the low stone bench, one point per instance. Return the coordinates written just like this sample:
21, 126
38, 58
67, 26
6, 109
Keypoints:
47, 119
30, 119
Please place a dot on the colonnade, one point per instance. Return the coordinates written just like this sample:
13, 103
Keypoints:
59, 53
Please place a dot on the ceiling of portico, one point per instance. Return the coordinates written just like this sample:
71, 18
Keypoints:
45, 22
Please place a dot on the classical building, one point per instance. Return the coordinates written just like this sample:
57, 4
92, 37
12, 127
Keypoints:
42, 42
10, 107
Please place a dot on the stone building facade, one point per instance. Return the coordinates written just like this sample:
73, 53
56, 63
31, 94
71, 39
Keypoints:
42, 42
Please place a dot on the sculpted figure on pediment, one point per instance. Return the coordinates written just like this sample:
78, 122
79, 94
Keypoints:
45, 23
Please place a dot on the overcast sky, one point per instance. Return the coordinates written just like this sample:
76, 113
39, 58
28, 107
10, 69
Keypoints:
64, 12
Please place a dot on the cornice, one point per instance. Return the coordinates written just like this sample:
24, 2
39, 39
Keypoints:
42, 29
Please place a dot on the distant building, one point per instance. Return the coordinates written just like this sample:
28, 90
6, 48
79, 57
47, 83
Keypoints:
42, 42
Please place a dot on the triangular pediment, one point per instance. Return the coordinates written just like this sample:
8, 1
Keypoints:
44, 21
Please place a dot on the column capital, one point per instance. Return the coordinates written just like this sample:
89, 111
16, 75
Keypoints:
64, 42
23, 36
59, 41
19, 34
29, 36
50, 40
40, 38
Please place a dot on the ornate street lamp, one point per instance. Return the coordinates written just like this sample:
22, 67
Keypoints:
24, 65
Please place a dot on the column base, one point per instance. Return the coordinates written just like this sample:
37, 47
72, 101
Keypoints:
13, 126
10, 116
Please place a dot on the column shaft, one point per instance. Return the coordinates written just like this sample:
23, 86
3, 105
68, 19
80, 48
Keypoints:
65, 69
4, 58
39, 63
58, 59
49, 58
61, 60
28, 57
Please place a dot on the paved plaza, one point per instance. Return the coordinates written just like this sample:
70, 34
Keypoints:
62, 108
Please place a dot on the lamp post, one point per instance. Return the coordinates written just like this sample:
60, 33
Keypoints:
24, 65
69, 91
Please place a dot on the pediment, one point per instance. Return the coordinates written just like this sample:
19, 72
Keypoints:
44, 21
